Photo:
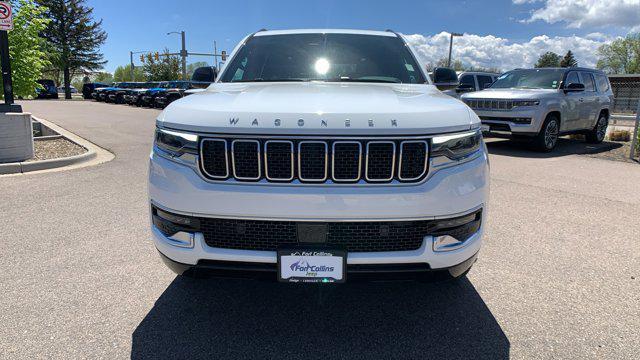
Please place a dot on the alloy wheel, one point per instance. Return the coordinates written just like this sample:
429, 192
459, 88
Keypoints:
551, 134
601, 130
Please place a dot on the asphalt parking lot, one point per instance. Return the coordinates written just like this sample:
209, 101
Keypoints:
558, 277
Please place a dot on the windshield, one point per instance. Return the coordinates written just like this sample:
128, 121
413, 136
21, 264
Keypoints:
324, 57
178, 85
529, 79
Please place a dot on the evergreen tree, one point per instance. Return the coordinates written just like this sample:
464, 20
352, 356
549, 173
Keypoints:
548, 59
74, 37
569, 60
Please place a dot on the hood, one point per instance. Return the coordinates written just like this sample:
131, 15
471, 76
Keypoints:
319, 108
519, 94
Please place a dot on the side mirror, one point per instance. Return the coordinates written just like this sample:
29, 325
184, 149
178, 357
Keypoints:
464, 88
574, 87
203, 76
445, 78
486, 85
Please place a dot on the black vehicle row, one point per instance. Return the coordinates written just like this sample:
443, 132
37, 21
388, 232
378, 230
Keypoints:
150, 94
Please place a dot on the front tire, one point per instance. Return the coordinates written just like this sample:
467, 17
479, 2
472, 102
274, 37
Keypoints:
547, 138
597, 134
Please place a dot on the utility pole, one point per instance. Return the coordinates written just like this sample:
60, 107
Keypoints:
451, 46
183, 53
131, 66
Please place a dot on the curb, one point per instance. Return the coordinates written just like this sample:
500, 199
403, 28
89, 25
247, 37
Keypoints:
91, 154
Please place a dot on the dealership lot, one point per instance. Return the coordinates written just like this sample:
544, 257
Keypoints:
559, 275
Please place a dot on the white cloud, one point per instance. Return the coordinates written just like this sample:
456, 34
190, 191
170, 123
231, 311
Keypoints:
495, 52
588, 13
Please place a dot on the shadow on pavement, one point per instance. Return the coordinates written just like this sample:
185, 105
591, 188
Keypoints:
237, 319
565, 146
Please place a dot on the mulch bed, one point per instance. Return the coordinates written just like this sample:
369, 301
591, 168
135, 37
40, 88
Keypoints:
55, 148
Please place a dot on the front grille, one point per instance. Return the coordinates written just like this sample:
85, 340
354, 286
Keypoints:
314, 161
490, 104
351, 236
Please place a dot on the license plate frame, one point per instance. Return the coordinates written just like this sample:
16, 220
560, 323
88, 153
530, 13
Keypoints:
319, 257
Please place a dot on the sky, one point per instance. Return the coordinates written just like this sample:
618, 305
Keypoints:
501, 34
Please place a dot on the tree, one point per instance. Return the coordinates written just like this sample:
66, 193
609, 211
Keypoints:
123, 73
103, 77
165, 68
193, 66
569, 60
28, 59
74, 37
622, 56
456, 64
548, 59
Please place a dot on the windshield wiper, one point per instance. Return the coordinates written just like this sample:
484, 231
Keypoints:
348, 79
270, 80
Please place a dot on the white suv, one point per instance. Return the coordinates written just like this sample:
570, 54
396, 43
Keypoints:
546, 103
317, 156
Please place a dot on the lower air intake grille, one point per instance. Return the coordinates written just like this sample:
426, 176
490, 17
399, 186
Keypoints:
352, 236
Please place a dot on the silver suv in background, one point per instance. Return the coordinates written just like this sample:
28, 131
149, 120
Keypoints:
546, 103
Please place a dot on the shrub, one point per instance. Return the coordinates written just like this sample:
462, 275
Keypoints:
620, 135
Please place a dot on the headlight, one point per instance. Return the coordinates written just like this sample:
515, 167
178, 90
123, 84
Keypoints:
456, 146
517, 103
176, 145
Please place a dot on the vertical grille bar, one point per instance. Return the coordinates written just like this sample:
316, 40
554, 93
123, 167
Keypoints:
245, 159
312, 161
215, 162
278, 160
380, 162
346, 161
413, 160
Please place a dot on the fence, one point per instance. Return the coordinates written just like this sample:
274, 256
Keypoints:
626, 92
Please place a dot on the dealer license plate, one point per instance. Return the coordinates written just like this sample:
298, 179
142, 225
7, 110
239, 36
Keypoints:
312, 266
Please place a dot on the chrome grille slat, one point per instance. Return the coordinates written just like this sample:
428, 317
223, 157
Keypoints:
279, 160
413, 155
342, 161
215, 166
299, 159
312, 160
379, 162
245, 165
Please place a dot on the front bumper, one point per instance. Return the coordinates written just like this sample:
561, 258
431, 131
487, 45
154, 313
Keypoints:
520, 122
446, 193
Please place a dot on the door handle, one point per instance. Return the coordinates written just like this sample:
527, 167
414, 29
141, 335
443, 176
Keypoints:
581, 99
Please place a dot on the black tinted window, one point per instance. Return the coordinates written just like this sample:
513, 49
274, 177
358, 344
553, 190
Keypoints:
467, 80
484, 80
589, 83
325, 57
572, 78
529, 79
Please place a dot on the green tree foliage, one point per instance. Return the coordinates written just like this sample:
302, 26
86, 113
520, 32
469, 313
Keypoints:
75, 38
622, 56
193, 66
166, 68
123, 73
103, 77
548, 59
28, 58
456, 65
569, 60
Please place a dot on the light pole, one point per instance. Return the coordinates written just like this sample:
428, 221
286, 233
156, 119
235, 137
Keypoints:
183, 53
132, 66
451, 46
